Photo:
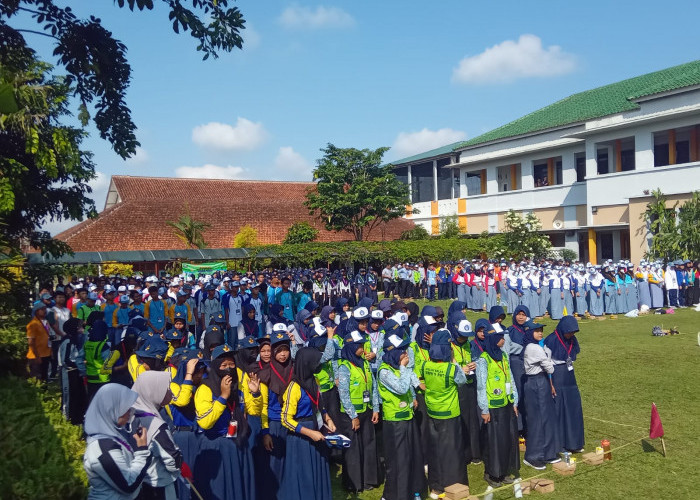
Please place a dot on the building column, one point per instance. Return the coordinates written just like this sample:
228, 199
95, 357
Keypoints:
492, 180
571, 241
452, 179
568, 169
617, 252
618, 156
672, 147
643, 150
409, 178
435, 181
526, 179
592, 247
591, 160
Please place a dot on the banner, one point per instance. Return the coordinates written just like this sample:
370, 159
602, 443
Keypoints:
207, 268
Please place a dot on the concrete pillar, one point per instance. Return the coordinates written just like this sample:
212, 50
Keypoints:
492, 180
410, 183
571, 241
643, 150
591, 161
435, 181
527, 181
617, 254
452, 179
592, 247
568, 168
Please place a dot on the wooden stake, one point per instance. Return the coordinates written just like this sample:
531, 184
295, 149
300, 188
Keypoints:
663, 446
194, 489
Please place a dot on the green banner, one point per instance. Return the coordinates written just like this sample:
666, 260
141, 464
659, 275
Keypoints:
207, 268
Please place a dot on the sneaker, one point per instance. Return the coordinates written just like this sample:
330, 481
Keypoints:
492, 482
554, 460
535, 465
508, 480
578, 451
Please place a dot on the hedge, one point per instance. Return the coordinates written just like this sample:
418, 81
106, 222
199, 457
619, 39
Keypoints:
42, 452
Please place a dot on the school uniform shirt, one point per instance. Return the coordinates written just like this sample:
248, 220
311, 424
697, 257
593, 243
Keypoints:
155, 312
235, 310
285, 299
257, 304
180, 308
115, 472
482, 374
344, 392
537, 359
209, 307
39, 331
296, 405
121, 316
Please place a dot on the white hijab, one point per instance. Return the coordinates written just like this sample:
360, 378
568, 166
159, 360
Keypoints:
111, 402
151, 386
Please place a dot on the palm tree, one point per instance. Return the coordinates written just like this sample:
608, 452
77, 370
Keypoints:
190, 231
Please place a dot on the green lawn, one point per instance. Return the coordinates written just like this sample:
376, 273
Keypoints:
621, 370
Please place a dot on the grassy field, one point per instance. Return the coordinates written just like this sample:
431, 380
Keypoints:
621, 370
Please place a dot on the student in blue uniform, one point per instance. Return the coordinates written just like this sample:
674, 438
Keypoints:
611, 292
482, 328
498, 401
405, 476
513, 346
359, 400
224, 467
249, 326
565, 348
538, 397
596, 293
306, 473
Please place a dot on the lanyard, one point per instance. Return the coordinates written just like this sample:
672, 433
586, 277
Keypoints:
231, 407
568, 351
420, 350
479, 346
314, 401
286, 382
362, 370
375, 337
501, 367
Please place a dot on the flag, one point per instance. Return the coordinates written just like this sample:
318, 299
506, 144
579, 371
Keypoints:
185, 471
656, 429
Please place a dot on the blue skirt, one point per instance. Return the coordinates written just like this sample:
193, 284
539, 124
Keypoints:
581, 306
513, 301
189, 443
569, 302
657, 295
568, 409
611, 301
556, 305
644, 293
306, 473
632, 297
596, 304
542, 437
517, 366
544, 300
224, 471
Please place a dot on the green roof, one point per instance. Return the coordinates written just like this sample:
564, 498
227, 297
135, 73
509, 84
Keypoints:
591, 104
428, 154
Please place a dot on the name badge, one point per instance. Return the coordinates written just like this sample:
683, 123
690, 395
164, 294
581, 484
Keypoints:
569, 364
365, 397
507, 387
319, 420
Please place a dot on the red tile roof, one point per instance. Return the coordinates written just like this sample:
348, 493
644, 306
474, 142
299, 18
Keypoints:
139, 220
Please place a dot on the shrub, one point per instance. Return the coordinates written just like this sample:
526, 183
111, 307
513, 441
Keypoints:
300, 232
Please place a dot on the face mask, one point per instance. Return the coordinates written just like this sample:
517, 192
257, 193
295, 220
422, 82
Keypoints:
227, 371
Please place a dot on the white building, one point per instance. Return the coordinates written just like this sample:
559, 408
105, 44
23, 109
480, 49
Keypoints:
584, 165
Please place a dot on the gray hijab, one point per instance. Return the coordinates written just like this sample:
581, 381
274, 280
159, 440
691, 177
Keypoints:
151, 386
111, 402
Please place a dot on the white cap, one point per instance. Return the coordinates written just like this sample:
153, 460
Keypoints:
429, 319
279, 327
360, 313
377, 314
121, 289
356, 336
395, 340
318, 327
464, 326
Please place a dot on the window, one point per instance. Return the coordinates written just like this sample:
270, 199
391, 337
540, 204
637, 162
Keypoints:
580, 162
683, 139
456, 183
508, 177
615, 156
422, 182
402, 174
444, 179
547, 172
602, 160
473, 182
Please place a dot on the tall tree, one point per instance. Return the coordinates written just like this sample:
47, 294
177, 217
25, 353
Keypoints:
189, 230
661, 226
354, 192
95, 61
300, 232
247, 237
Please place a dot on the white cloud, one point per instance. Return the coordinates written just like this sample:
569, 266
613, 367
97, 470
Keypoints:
291, 165
299, 17
411, 143
99, 186
251, 37
511, 60
210, 171
141, 156
244, 136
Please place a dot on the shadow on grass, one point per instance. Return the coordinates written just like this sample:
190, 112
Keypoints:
42, 452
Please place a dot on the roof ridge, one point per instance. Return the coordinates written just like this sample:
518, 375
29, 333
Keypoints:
145, 177
87, 223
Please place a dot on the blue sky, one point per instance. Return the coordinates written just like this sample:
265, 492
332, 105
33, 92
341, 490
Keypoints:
365, 74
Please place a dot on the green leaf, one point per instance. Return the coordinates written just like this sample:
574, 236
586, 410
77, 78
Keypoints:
8, 103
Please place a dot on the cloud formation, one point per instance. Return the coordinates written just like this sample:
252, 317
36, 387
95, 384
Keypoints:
411, 143
210, 171
299, 17
511, 60
140, 157
290, 165
244, 136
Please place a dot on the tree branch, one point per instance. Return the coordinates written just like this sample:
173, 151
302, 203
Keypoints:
34, 32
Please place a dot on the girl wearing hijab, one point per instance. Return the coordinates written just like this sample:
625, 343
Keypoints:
538, 398
114, 469
497, 398
303, 325
328, 314
455, 314
276, 317
154, 393
611, 292
306, 473
275, 378
478, 343
249, 327
374, 345
71, 360
359, 409
442, 376
564, 347
96, 353
342, 310
213, 338
224, 467
514, 343
405, 477
413, 317
469, 413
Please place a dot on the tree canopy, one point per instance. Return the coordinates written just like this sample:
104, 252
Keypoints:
355, 192
189, 231
300, 232
672, 228
247, 237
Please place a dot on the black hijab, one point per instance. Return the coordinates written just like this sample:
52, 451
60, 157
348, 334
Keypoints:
275, 374
306, 363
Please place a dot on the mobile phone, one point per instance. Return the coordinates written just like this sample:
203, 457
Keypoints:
139, 432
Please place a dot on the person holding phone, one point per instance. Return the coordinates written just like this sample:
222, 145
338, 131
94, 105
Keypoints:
115, 469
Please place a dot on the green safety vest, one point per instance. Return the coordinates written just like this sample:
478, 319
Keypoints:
84, 314
463, 356
395, 407
497, 376
340, 340
360, 381
94, 361
441, 398
325, 378
420, 356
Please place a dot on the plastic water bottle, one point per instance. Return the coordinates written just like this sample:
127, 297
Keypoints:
416, 496
517, 490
